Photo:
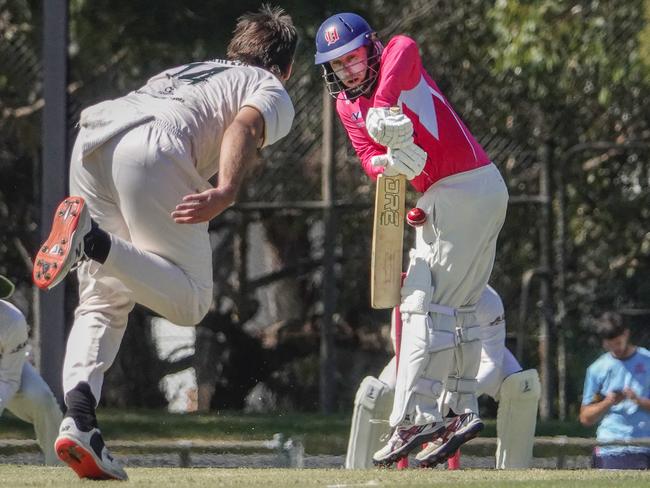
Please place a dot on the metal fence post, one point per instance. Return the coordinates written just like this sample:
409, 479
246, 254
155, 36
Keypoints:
51, 336
559, 203
546, 329
327, 352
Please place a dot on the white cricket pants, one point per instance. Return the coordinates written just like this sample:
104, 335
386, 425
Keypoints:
131, 185
35, 404
465, 214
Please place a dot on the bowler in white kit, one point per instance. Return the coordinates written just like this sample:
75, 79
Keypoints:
137, 224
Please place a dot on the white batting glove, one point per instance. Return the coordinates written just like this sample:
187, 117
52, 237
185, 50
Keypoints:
408, 161
389, 128
384, 161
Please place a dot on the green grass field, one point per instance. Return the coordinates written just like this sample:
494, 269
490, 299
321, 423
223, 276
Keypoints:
18, 476
321, 434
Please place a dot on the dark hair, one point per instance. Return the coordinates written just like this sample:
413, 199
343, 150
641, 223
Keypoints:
610, 325
266, 38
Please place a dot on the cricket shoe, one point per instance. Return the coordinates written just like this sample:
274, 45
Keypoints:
64, 248
404, 440
458, 431
86, 453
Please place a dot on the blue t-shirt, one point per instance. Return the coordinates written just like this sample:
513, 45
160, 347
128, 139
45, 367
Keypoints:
625, 421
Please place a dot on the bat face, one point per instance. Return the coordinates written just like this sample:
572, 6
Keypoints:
387, 242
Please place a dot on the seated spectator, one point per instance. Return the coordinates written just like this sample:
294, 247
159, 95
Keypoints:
616, 396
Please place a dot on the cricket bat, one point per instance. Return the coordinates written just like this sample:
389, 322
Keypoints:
387, 242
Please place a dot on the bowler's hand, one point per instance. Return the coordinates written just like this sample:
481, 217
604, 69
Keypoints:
202, 207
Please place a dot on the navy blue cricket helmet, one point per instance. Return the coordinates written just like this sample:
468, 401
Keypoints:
338, 35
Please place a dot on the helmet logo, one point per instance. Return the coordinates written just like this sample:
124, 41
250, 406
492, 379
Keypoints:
331, 35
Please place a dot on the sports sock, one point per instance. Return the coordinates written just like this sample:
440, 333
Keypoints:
97, 243
81, 406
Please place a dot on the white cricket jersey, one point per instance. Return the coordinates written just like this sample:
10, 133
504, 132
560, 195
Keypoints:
199, 101
13, 350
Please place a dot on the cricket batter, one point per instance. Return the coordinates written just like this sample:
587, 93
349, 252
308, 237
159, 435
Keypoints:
137, 227
22, 391
465, 200
500, 376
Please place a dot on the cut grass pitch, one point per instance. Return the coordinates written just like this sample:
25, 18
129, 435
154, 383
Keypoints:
28, 476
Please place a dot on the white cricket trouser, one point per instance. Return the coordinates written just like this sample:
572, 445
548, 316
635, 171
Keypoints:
458, 242
131, 184
35, 404
466, 212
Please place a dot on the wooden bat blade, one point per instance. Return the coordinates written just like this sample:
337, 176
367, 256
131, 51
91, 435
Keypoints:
387, 242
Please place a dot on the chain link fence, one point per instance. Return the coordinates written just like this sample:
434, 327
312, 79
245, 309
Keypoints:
271, 250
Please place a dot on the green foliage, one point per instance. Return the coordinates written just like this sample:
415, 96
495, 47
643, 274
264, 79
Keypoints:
644, 38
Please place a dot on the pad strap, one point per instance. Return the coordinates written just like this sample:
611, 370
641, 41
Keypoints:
451, 311
461, 385
468, 333
441, 340
442, 309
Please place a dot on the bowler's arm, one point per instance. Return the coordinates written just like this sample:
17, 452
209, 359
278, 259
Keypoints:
239, 151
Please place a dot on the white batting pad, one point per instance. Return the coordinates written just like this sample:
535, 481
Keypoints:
426, 356
489, 309
417, 289
516, 419
462, 385
490, 373
389, 373
372, 406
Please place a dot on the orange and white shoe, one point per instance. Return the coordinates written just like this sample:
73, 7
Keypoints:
64, 247
86, 453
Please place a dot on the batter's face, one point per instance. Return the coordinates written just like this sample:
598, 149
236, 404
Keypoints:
352, 67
